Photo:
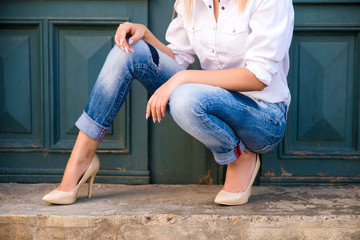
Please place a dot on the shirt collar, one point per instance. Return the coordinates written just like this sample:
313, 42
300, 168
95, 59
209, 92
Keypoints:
210, 2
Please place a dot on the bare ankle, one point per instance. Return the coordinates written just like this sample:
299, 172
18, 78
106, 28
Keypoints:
245, 155
239, 172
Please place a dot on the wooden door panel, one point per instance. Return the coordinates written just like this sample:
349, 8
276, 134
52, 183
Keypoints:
322, 89
20, 86
79, 51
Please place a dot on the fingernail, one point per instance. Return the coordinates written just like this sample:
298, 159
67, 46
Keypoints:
131, 41
154, 120
131, 50
163, 115
121, 41
146, 116
159, 120
126, 49
122, 48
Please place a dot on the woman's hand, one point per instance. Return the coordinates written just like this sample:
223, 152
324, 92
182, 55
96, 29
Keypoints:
156, 106
132, 30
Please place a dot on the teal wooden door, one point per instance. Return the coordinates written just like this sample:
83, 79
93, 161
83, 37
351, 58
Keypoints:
50, 55
322, 141
51, 52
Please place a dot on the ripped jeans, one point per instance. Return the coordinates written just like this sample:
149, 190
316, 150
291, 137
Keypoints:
224, 121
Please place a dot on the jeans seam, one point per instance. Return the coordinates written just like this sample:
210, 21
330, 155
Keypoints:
210, 126
149, 70
101, 134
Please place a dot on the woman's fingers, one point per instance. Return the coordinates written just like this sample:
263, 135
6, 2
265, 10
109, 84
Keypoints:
150, 108
120, 35
136, 36
156, 107
163, 105
153, 110
134, 31
116, 39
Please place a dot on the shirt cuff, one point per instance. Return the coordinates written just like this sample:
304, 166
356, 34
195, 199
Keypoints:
181, 62
261, 74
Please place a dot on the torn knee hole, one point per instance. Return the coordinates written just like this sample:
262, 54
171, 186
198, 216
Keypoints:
154, 54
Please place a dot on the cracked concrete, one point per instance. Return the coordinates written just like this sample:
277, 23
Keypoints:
180, 212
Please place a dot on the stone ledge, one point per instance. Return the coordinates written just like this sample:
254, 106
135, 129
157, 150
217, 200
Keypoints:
181, 212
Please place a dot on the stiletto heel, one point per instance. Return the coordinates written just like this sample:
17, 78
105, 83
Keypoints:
91, 181
60, 197
231, 198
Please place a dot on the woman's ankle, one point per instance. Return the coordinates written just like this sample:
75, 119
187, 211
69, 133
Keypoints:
246, 155
74, 170
79, 161
238, 174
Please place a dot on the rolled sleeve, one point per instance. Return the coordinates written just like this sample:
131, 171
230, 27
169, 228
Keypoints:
178, 39
271, 29
260, 72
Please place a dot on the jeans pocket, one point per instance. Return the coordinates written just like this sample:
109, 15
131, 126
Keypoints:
283, 108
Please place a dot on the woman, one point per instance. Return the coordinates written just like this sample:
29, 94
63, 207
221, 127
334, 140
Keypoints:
236, 105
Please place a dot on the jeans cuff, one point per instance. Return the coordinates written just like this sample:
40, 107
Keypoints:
90, 127
229, 157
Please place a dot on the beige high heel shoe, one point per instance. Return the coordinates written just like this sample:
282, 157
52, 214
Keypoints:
60, 197
231, 198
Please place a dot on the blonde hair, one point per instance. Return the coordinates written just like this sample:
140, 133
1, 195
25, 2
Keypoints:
188, 6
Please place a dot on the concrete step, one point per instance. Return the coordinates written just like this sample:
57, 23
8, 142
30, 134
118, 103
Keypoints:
180, 212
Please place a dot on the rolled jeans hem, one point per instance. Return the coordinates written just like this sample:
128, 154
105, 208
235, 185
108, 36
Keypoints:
90, 127
228, 157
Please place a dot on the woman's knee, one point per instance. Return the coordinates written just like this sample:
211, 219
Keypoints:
119, 60
118, 54
185, 102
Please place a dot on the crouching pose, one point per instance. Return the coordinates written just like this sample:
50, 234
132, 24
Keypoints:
236, 105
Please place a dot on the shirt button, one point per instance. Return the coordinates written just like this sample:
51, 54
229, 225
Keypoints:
210, 6
233, 30
214, 28
193, 28
222, 8
212, 50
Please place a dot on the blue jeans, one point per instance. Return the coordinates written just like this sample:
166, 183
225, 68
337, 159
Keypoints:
226, 122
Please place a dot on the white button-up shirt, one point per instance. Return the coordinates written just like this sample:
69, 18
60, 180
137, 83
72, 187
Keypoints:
257, 39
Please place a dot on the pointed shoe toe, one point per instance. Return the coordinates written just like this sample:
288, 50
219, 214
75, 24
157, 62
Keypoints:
230, 198
60, 197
